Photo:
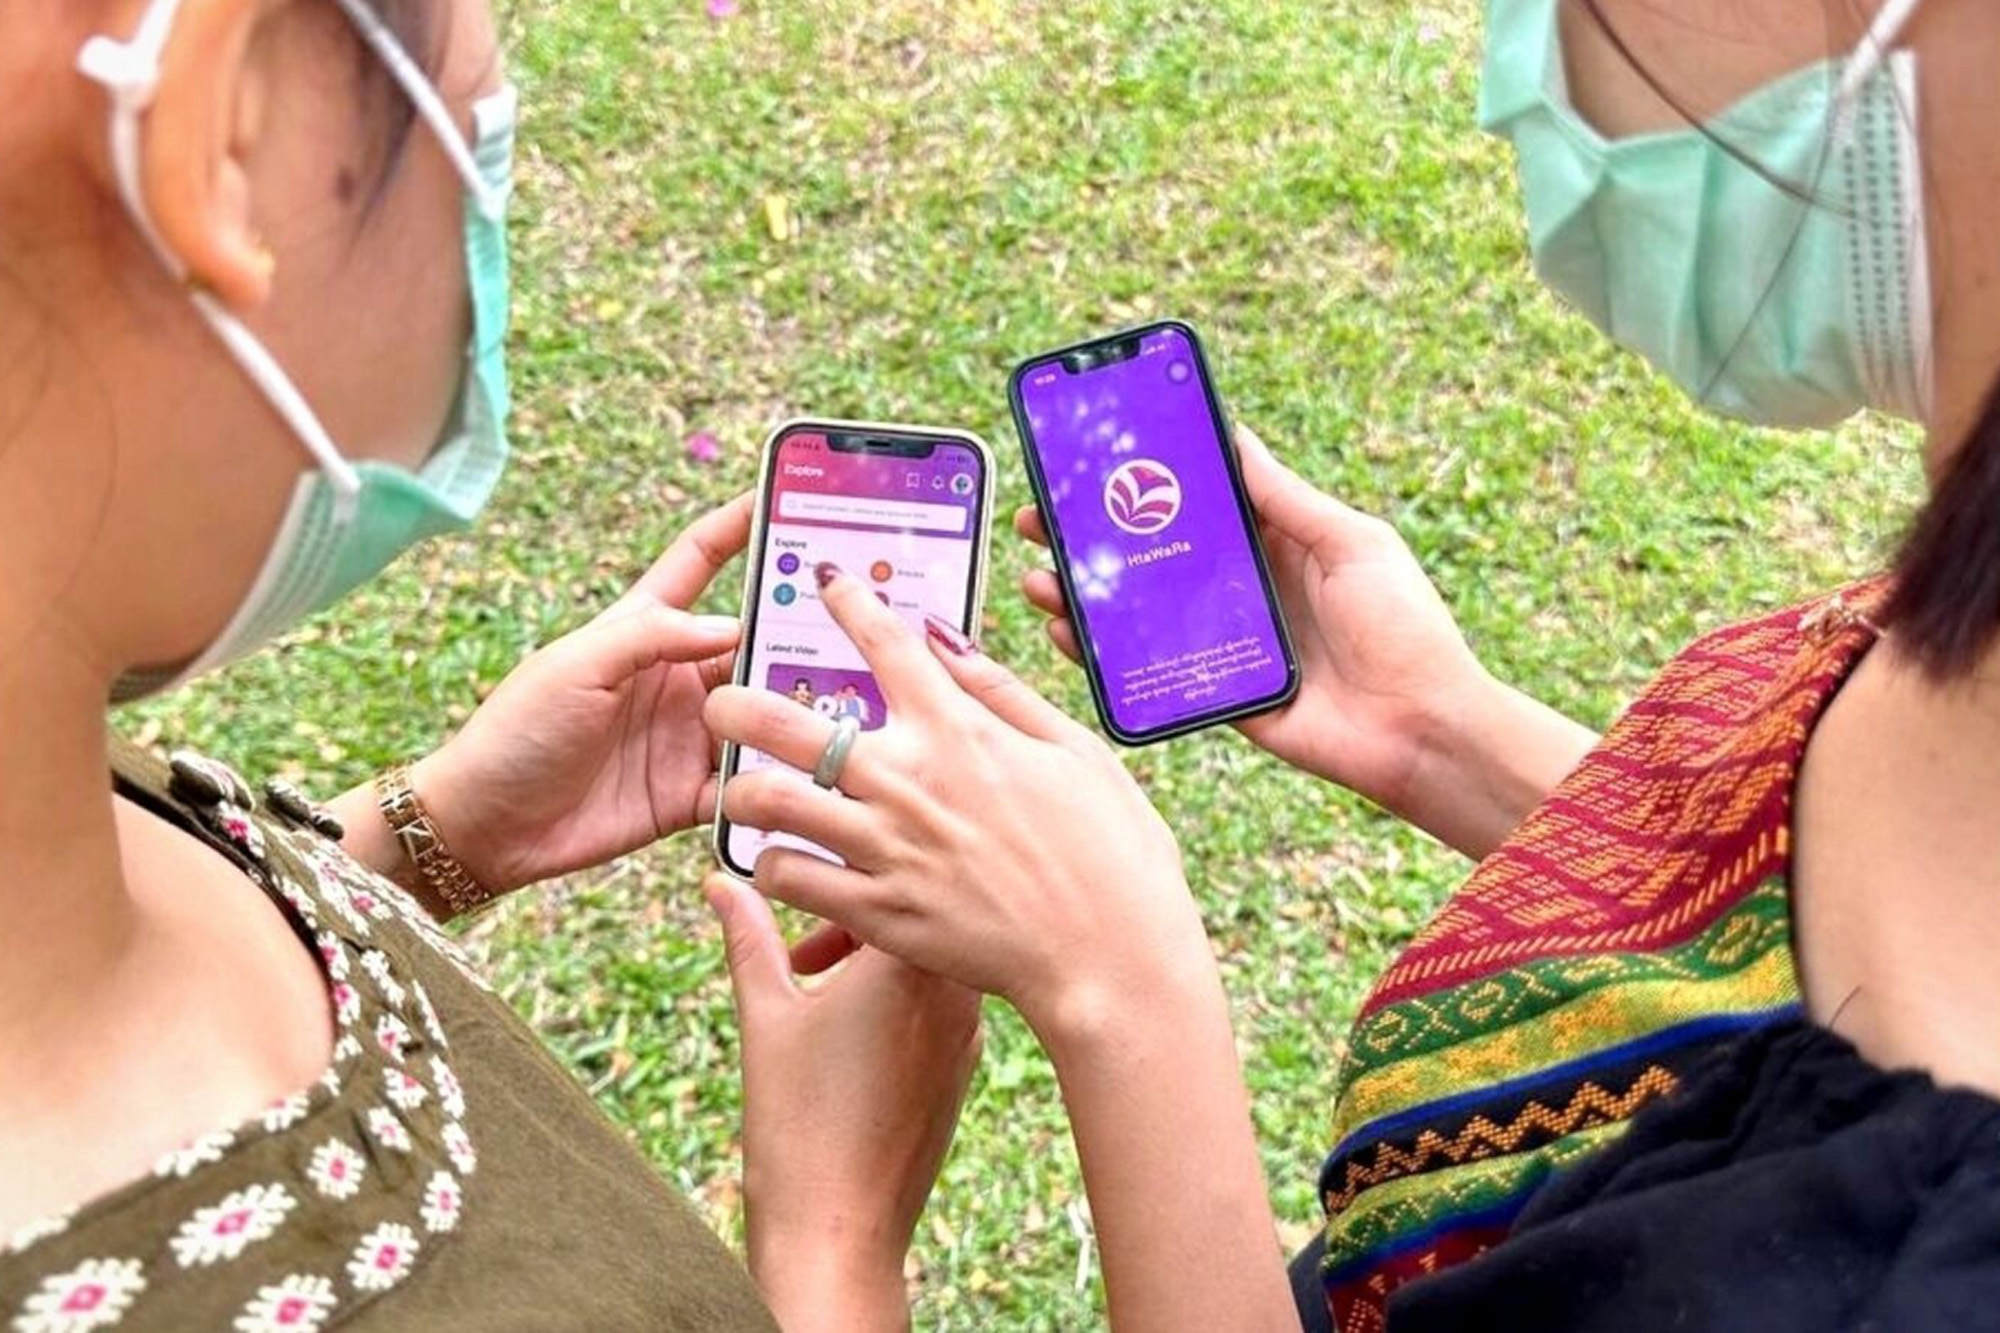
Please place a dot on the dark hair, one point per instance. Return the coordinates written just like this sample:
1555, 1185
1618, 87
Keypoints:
1945, 604
411, 22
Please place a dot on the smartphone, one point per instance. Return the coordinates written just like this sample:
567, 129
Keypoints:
1136, 475
906, 508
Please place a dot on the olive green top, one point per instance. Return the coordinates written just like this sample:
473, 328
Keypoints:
444, 1173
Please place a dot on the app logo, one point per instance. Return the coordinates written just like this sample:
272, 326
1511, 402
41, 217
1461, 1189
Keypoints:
881, 571
784, 594
961, 484
788, 563
1142, 496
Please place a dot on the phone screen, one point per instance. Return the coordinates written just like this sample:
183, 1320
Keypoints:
908, 522
1167, 587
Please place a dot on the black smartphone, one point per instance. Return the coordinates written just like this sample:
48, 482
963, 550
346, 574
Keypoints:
906, 508
1130, 456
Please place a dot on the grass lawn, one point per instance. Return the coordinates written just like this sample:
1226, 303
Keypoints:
873, 210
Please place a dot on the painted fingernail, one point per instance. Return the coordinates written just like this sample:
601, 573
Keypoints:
826, 572
949, 637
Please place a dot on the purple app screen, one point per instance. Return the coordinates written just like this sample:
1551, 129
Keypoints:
1166, 580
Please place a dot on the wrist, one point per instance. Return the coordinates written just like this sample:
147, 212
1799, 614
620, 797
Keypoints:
446, 797
1104, 1010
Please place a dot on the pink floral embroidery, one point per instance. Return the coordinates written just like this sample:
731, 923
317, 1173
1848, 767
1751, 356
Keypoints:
183, 1161
346, 1002
442, 1202
333, 954
383, 1257
285, 1113
94, 1294
235, 824
405, 1091
301, 1301
222, 1231
392, 1034
336, 1169
387, 1129
458, 1144
450, 1095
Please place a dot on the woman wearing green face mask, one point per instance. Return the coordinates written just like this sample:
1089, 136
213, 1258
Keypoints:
1706, 1042
253, 294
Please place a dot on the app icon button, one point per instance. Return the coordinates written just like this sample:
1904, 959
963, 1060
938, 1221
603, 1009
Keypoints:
1142, 496
880, 571
784, 594
788, 563
961, 484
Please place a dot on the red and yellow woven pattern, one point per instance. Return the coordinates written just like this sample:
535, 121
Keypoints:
1632, 923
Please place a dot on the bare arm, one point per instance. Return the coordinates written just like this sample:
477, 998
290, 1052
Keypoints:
1162, 1126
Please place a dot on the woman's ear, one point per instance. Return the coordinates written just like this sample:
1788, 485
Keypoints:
198, 138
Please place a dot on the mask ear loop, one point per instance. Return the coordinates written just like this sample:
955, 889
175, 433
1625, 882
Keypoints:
423, 95
1869, 58
130, 72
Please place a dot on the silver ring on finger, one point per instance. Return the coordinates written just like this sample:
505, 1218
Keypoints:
826, 773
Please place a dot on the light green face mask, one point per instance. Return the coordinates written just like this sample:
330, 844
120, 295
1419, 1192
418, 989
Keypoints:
346, 521
1791, 292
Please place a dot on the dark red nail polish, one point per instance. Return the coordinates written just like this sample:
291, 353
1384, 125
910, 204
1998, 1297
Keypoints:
826, 572
948, 635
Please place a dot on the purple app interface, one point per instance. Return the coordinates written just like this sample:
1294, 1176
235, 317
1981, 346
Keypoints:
907, 527
1165, 576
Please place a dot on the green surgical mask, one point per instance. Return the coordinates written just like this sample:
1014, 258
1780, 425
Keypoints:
1772, 263
346, 520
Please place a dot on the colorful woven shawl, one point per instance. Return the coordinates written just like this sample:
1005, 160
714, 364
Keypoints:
1632, 923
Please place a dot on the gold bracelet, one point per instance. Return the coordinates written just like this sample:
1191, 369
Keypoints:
444, 874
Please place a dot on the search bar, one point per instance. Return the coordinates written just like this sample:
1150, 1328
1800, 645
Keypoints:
869, 511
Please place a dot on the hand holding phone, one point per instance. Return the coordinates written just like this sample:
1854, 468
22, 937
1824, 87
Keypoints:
908, 509
1141, 495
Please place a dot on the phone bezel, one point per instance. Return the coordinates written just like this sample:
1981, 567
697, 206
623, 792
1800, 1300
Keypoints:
760, 533
1093, 669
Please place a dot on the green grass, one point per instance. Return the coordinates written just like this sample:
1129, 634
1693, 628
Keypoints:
972, 180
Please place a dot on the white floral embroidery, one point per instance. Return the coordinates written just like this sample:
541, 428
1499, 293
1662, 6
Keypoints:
336, 1169
39, 1229
330, 1080
333, 953
450, 1095
222, 1230
383, 1257
335, 894
368, 901
387, 1129
346, 1048
403, 1090
459, 1145
183, 1161
376, 964
442, 1202
392, 1034
301, 1301
428, 1014
301, 901
286, 1113
346, 1002
94, 1294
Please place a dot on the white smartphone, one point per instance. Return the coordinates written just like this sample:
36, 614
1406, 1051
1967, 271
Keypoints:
909, 509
